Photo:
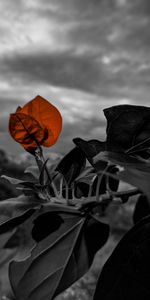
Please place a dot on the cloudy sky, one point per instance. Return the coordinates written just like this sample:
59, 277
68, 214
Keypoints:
82, 55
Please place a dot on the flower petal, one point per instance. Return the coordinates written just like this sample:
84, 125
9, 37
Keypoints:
47, 115
26, 130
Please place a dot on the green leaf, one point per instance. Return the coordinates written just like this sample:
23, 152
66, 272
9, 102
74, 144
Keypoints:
127, 271
59, 259
72, 164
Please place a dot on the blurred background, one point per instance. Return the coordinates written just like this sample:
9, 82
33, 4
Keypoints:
83, 56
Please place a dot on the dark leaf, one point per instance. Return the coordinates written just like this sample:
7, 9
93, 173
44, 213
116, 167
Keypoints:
142, 209
59, 259
81, 189
137, 178
122, 159
90, 148
136, 171
72, 164
96, 235
113, 183
107, 182
102, 188
13, 222
127, 126
45, 224
86, 173
126, 273
12, 180
14, 207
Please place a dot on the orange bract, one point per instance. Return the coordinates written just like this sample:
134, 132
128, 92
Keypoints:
37, 123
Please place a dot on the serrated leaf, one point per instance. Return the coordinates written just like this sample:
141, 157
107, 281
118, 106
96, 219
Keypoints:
72, 164
126, 273
59, 259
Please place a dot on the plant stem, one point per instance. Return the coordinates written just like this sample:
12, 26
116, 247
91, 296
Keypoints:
98, 186
113, 196
39, 157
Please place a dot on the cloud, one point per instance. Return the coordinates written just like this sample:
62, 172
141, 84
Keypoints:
81, 55
60, 69
96, 47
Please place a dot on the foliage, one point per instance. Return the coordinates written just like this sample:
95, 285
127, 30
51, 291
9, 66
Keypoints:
61, 208
37, 123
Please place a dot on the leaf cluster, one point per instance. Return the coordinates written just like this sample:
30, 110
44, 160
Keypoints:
60, 213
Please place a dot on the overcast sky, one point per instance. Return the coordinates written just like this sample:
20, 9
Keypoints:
82, 55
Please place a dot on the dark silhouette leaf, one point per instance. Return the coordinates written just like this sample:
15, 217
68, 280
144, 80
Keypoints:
136, 171
121, 159
142, 208
96, 235
45, 224
14, 207
72, 164
59, 259
13, 222
137, 178
113, 183
88, 171
128, 125
126, 273
90, 148
81, 189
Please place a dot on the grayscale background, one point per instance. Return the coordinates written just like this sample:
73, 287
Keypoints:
82, 55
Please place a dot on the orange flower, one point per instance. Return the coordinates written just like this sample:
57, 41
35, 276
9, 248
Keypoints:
37, 123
